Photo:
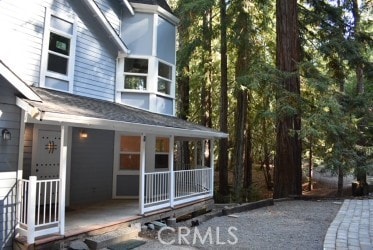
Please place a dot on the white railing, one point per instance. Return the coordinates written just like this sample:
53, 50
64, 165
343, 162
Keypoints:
166, 189
157, 188
192, 182
38, 211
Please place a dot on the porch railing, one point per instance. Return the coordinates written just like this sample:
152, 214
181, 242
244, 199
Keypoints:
157, 189
192, 182
38, 210
188, 185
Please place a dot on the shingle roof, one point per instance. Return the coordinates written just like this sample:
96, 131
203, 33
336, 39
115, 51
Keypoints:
161, 3
69, 104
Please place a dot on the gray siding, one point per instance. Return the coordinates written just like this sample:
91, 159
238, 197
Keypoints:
127, 185
95, 61
27, 150
91, 166
10, 116
112, 11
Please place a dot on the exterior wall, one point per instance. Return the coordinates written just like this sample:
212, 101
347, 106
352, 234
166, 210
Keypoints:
10, 116
166, 39
95, 55
137, 33
27, 150
91, 166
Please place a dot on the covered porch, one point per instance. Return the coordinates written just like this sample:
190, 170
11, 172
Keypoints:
162, 181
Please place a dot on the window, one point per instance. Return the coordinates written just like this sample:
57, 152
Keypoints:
58, 52
129, 153
161, 152
164, 78
135, 73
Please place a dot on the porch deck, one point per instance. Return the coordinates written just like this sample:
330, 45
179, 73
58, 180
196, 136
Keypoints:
80, 219
99, 218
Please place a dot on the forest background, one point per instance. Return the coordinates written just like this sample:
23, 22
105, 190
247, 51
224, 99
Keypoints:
291, 82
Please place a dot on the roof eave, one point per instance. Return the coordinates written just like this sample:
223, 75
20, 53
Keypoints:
18, 83
39, 116
147, 8
92, 6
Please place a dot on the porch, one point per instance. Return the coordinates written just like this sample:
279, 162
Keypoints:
108, 216
42, 212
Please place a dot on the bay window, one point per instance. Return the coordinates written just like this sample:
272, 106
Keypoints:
164, 78
135, 73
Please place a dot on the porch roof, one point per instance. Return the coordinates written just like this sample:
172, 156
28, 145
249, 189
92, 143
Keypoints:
60, 107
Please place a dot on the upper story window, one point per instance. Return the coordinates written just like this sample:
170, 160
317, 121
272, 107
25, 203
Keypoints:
58, 53
135, 73
164, 78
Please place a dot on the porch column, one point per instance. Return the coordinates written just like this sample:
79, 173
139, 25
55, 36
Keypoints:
20, 162
212, 166
172, 172
142, 173
62, 174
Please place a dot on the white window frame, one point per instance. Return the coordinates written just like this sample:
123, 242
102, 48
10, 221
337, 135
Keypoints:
171, 81
69, 78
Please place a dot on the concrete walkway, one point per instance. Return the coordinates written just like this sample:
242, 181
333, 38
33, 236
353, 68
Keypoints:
352, 228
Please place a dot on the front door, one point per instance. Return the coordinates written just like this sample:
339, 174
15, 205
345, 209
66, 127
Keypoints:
46, 164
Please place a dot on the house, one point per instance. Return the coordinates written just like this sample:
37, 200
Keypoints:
87, 113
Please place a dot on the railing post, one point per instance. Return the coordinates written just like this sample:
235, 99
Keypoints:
212, 167
142, 173
172, 173
62, 177
31, 203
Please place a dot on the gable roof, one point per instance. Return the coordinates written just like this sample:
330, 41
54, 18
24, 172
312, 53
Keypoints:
160, 3
57, 107
96, 12
17, 82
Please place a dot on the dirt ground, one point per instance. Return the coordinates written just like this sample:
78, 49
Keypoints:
321, 189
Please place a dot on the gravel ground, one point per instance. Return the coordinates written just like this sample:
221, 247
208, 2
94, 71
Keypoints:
295, 224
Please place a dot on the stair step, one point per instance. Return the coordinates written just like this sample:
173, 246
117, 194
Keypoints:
127, 245
112, 238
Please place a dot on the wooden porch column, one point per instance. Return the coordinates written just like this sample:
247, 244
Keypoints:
172, 172
62, 174
212, 166
142, 173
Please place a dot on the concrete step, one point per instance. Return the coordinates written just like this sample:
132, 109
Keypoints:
112, 238
127, 245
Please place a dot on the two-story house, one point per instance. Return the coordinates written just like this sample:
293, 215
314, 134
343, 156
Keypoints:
87, 113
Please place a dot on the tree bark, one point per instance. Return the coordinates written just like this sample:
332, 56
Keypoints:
240, 121
288, 171
223, 144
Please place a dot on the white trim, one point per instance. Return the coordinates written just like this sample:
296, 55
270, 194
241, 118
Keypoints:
17, 83
146, 8
109, 29
142, 173
62, 175
171, 169
129, 7
91, 122
155, 34
69, 77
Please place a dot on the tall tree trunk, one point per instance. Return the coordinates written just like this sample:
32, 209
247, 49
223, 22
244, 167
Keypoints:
359, 68
340, 181
223, 145
206, 64
183, 88
288, 171
240, 121
310, 164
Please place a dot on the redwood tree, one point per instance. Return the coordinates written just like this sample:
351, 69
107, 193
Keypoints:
288, 171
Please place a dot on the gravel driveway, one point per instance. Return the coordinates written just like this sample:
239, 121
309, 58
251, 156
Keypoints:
295, 224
